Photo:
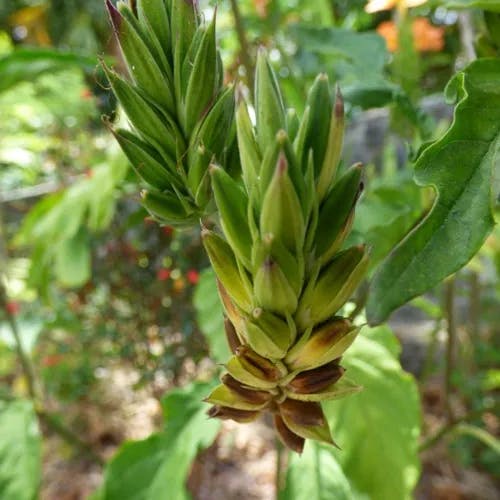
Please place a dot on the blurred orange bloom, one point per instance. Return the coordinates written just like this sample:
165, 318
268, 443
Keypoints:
378, 5
426, 37
261, 7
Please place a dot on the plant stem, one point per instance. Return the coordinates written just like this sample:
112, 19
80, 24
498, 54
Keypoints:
68, 435
467, 35
26, 364
279, 468
29, 371
430, 352
450, 426
450, 345
474, 305
242, 37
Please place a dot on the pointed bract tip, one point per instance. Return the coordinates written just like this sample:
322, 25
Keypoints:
114, 15
282, 165
281, 136
213, 168
339, 104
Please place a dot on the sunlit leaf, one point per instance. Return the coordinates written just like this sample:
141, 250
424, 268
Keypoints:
156, 468
24, 65
460, 166
491, 5
20, 451
378, 428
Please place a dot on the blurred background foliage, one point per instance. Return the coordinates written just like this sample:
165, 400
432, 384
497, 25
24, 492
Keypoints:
97, 311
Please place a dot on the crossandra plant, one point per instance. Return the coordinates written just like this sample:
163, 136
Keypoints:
283, 212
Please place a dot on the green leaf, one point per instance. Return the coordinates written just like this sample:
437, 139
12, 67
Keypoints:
157, 468
72, 262
24, 65
354, 60
209, 315
491, 5
460, 166
315, 475
20, 451
378, 428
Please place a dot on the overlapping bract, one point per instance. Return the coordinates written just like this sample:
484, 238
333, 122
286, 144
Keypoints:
180, 113
282, 272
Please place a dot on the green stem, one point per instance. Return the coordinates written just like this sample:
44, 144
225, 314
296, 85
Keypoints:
450, 345
29, 371
281, 463
430, 352
451, 426
246, 59
69, 436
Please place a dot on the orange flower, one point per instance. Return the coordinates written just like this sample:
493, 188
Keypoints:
378, 5
426, 37
261, 7
389, 31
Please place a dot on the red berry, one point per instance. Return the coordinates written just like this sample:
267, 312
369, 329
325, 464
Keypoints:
13, 308
193, 276
163, 274
167, 230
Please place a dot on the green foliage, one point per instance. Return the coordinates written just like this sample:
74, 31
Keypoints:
24, 65
325, 478
158, 466
377, 429
58, 226
20, 451
490, 5
209, 315
355, 60
460, 166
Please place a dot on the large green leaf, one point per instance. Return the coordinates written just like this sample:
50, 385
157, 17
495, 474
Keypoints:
24, 65
460, 166
73, 261
20, 447
210, 316
156, 468
378, 428
491, 5
315, 475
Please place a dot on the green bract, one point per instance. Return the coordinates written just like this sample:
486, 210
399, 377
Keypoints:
180, 114
283, 275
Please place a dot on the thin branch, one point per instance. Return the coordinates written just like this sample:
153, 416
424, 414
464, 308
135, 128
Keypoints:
451, 426
246, 58
450, 345
467, 35
279, 468
68, 435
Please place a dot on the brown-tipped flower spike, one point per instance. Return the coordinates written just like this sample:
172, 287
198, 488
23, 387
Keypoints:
283, 272
288, 276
